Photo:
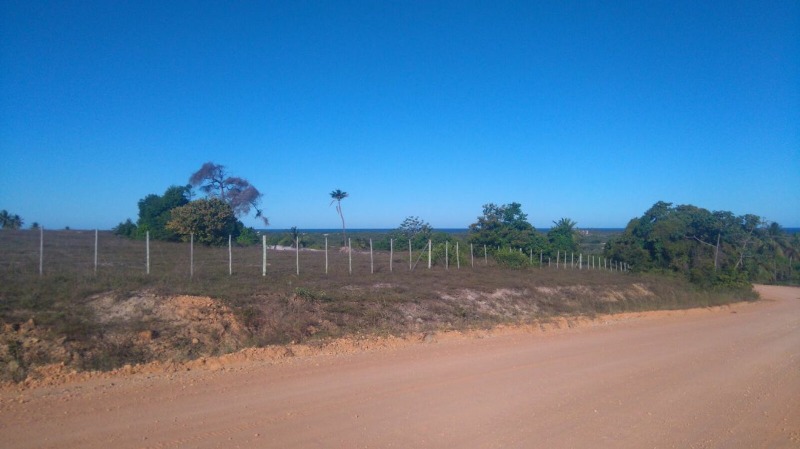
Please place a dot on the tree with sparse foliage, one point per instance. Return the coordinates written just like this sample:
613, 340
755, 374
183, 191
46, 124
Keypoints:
336, 197
213, 180
211, 220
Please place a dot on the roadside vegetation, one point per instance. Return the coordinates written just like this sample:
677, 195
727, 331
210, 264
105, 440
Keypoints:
115, 317
104, 312
711, 249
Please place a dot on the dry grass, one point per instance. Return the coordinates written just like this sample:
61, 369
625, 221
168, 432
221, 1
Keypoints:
282, 307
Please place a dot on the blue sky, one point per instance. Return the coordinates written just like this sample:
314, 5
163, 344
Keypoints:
587, 110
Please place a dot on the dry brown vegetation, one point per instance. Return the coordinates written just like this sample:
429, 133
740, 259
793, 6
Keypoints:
121, 315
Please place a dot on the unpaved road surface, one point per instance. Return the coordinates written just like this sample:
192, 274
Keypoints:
722, 378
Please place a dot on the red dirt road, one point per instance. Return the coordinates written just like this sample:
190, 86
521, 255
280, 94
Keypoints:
724, 378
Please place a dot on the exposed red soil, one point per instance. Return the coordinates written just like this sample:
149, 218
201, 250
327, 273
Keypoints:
718, 377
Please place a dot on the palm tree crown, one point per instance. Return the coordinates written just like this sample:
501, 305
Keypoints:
337, 196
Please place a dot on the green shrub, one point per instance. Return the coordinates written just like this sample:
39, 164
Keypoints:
247, 237
511, 259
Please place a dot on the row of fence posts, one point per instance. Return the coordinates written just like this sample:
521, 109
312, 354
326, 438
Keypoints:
607, 265
611, 265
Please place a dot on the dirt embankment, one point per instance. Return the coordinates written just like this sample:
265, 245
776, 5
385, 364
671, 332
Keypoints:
723, 377
148, 333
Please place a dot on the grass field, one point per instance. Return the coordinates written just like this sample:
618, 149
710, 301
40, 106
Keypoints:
282, 306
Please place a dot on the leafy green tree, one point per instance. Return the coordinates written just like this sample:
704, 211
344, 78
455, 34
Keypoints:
211, 220
563, 236
9, 221
126, 229
505, 226
336, 197
711, 248
155, 212
247, 237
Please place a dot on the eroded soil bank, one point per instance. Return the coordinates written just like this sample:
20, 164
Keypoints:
712, 377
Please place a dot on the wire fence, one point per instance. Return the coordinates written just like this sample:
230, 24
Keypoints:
86, 253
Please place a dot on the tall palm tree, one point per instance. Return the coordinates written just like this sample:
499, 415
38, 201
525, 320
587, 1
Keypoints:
337, 196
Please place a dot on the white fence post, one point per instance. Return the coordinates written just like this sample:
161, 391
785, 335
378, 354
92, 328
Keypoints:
458, 259
471, 255
297, 253
191, 256
41, 250
147, 250
446, 255
95, 252
391, 254
371, 260
264, 255
230, 256
350, 254
430, 248
409, 255
326, 253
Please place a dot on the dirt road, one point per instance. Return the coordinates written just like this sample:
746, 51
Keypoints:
724, 378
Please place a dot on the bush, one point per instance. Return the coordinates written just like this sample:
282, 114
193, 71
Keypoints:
440, 252
210, 220
511, 259
247, 237
125, 229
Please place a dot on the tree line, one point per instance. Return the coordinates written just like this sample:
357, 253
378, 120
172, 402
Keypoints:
710, 248
210, 219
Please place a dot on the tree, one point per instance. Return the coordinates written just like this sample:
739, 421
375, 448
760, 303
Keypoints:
414, 228
156, 211
211, 220
213, 180
714, 249
562, 236
505, 226
126, 229
9, 221
294, 237
337, 197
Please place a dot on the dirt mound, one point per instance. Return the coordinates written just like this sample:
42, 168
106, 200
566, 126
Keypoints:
162, 322
141, 328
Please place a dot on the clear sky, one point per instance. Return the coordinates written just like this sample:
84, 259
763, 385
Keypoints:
588, 110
